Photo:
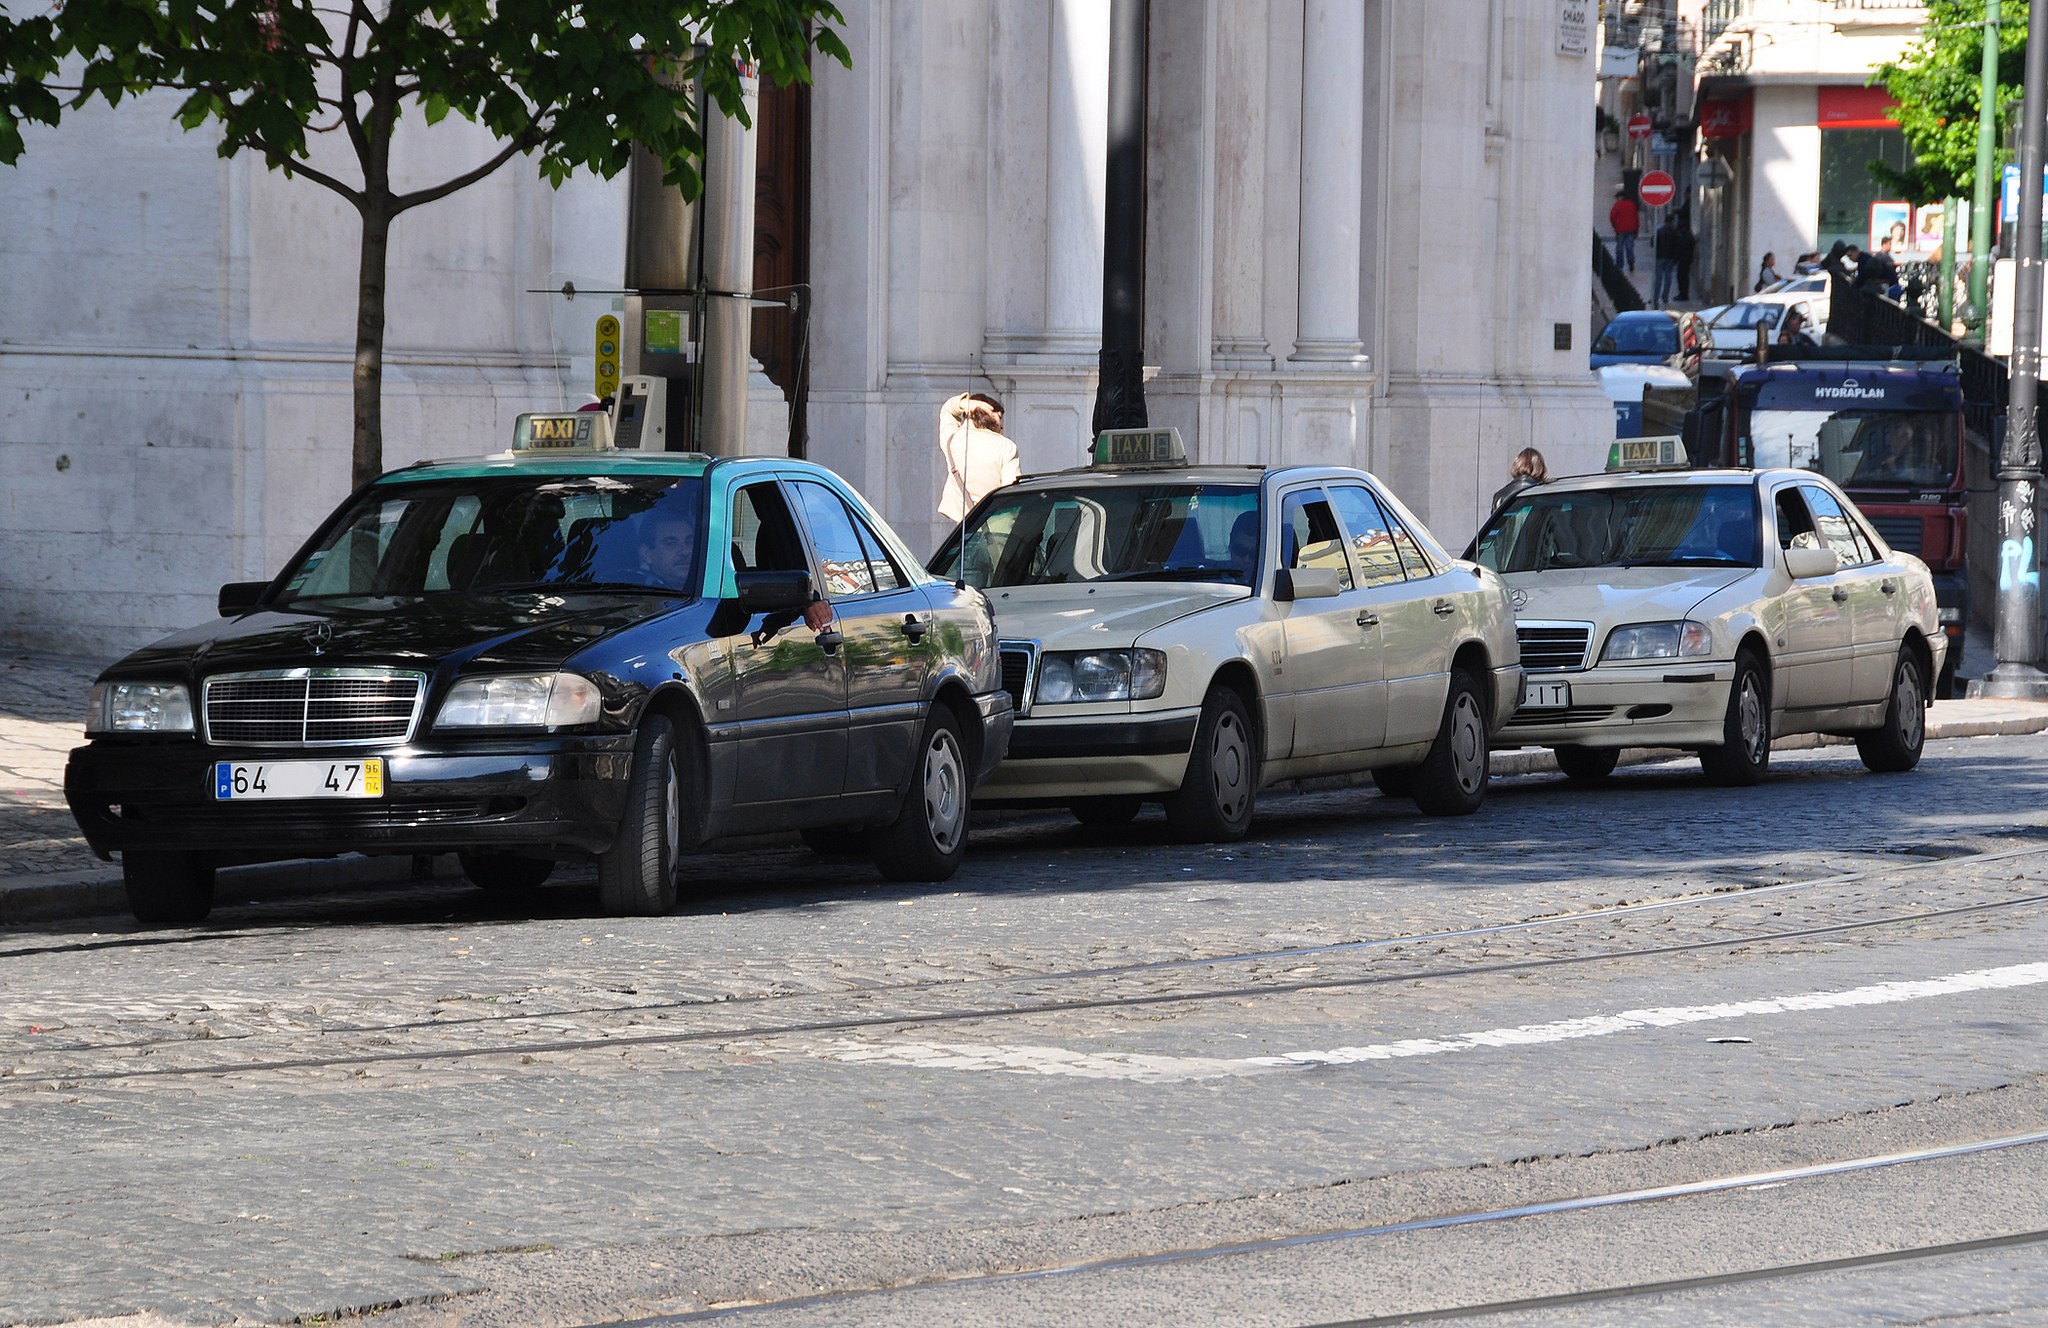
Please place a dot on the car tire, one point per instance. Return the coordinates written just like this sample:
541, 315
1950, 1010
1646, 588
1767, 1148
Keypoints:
1744, 756
1395, 781
1106, 813
1895, 745
506, 873
1451, 780
636, 877
928, 838
1220, 790
167, 888
1586, 764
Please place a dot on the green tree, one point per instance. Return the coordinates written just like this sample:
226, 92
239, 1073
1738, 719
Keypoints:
1935, 85
573, 85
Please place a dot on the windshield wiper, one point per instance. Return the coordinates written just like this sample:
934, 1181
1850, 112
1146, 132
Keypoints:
1179, 574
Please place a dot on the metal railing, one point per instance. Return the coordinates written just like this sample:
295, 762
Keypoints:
1621, 292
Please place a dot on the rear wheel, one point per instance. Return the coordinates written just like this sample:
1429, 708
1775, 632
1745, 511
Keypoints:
1896, 745
167, 889
1106, 813
1214, 802
506, 873
928, 838
637, 875
1451, 781
1587, 763
1744, 756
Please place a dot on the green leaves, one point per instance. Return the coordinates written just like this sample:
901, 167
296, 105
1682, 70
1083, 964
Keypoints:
1936, 84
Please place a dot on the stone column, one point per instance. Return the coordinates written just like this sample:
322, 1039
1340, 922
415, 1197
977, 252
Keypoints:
1332, 182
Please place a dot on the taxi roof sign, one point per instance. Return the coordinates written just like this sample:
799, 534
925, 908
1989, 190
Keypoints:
1647, 454
560, 431
1138, 447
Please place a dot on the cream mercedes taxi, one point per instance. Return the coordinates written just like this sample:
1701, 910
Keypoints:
1191, 634
1712, 610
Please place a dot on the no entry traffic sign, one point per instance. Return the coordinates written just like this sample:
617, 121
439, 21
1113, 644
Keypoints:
1656, 188
1639, 125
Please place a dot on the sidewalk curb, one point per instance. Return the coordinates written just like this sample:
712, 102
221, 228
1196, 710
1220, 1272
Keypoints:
97, 891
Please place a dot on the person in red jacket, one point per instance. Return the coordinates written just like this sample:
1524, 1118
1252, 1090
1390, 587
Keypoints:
1626, 221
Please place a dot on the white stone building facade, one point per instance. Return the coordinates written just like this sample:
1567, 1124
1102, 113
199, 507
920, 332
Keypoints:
1353, 256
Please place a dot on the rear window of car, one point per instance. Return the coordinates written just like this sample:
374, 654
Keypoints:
481, 536
1156, 531
1642, 336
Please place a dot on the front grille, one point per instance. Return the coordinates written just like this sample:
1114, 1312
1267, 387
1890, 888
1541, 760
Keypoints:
1017, 658
1903, 533
1574, 715
1554, 645
325, 707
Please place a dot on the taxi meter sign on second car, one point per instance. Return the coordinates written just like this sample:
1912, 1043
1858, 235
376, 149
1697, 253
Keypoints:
1656, 188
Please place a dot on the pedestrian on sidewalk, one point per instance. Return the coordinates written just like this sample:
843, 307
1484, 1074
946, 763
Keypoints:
1524, 472
979, 459
1688, 244
1626, 221
1664, 249
1766, 273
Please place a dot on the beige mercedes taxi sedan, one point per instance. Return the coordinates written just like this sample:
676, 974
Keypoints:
1191, 634
1712, 610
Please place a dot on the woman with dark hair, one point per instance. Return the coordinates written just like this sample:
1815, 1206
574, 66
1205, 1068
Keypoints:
1766, 273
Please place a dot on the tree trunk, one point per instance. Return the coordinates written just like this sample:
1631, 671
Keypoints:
369, 372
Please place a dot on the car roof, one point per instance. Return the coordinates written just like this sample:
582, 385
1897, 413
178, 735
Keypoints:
1093, 477
586, 461
1629, 479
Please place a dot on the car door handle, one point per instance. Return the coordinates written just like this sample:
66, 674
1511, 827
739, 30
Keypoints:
913, 629
1443, 608
830, 640
1368, 619
1889, 587
1841, 593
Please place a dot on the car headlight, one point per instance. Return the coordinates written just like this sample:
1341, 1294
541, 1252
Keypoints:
1664, 640
139, 707
1100, 675
520, 700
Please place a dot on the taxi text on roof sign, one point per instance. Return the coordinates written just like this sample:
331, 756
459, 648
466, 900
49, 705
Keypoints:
1139, 447
560, 430
1647, 454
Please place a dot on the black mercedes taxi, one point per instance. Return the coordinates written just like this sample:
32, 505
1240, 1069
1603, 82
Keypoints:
558, 653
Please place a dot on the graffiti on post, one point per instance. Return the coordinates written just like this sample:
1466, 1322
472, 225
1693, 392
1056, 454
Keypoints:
2016, 559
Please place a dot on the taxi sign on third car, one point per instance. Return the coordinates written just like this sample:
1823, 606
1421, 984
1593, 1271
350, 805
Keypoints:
1139, 447
1647, 454
561, 430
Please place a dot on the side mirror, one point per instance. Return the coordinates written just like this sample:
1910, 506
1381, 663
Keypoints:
239, 597
774, 591
1307, 583
1804, 564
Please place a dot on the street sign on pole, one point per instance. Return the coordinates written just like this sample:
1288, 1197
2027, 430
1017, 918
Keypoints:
1656, 188
1639, 125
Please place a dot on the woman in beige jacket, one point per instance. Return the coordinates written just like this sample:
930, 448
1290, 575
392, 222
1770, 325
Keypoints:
979, 460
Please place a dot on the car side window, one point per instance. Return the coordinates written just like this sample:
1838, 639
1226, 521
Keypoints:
1794, 521
1837, 531
1373, 541
1310, 535
764, 535
842, 558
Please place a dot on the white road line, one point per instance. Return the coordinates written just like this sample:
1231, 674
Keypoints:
1142, 1068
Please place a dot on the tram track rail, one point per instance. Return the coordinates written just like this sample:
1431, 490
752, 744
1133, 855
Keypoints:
905, 1017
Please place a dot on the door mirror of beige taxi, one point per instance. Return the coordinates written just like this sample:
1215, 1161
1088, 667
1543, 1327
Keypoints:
1807, 563
1307, 583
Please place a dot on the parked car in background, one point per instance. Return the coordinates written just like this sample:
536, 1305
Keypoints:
1673, 337
1711, 610
557, 653
1188, 634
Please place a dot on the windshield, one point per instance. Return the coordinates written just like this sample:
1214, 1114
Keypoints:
1749, 315
1639, 336
1126, 532
1540, 530
1860, 448
483, 536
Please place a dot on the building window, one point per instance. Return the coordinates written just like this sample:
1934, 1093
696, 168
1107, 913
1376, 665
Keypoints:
1847, 188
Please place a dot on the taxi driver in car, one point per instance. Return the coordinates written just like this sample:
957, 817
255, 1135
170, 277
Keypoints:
668, 545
